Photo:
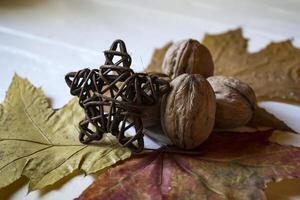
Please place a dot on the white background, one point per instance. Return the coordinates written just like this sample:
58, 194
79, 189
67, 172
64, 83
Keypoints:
44, 39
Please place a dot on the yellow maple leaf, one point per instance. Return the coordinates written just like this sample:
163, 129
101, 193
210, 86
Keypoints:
42, 144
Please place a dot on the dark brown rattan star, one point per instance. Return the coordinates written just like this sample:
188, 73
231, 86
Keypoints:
113, 97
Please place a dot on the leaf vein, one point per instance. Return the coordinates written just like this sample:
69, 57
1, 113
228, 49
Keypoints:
202, 180
25, 156
36, 142
30, 118
64, 161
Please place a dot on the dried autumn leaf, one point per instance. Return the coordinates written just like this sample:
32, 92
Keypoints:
157, 58
263, 118
273, 72
229, 166
278, 64
42, 144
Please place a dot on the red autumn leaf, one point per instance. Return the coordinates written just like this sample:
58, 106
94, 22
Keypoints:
229, 166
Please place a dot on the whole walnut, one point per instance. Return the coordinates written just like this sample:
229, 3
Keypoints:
236, 102
188, 111
188, 56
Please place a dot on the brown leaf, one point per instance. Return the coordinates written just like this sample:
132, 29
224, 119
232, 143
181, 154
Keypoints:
229, 166
273, 72
157, 58
263, 118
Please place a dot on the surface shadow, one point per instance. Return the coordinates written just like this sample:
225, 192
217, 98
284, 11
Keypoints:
7, 192
60, 183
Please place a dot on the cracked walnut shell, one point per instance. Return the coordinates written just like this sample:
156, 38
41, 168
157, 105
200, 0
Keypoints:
188, 111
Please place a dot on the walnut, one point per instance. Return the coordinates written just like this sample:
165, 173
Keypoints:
188, 56
151, 114
236, 102
188, 111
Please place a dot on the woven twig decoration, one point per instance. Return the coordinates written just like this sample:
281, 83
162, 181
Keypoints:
113, 97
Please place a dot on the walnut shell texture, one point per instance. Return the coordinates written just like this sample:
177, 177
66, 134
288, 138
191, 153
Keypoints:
188, 56
236, 102
188, 111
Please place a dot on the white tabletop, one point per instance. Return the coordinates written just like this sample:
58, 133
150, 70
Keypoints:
42, 40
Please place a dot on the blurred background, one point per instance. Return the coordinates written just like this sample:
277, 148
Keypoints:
42, 40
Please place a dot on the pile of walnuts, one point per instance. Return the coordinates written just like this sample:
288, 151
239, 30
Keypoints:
186, 99
198, 101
